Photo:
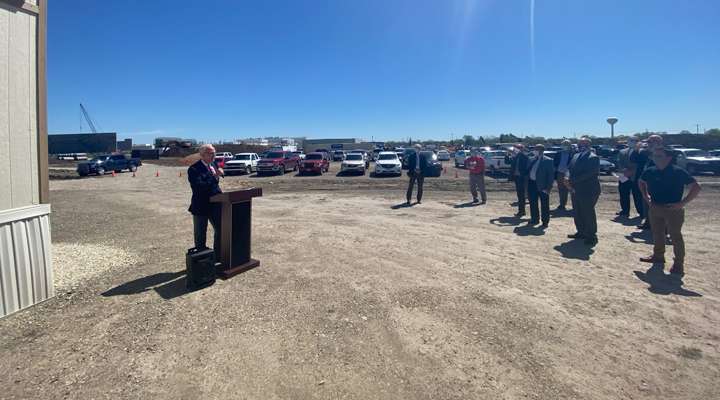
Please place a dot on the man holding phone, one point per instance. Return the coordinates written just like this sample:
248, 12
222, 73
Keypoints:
476, 166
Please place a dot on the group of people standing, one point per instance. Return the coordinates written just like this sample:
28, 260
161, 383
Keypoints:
646, 173
576, 174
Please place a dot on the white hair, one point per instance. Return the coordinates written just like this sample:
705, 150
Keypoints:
206, 148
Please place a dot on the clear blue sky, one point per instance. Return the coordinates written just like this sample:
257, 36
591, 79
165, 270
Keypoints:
386, 69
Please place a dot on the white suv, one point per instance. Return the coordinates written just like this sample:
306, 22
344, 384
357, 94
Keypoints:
242, 163
388, 163
460, 157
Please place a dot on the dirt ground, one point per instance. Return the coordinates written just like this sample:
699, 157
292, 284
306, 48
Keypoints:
358, 298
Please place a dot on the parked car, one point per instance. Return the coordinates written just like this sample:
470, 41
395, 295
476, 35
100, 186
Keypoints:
278, 162
460, 157
242, 163
315, 163
365, 155
388, 163
606, 167
338, 155
495, 161
108, 162
696, 160
443, 155
220, 158
434, 166
354, 162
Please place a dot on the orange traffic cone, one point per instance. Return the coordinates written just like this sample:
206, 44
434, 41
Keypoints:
133, 174
179, 174
113, 174
157, 173
456, 174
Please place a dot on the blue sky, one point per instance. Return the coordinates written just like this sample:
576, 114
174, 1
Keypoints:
382, 69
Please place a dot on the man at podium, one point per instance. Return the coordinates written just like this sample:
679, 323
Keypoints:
204, 178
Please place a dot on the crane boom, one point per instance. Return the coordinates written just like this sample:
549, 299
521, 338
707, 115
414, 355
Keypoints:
87, 118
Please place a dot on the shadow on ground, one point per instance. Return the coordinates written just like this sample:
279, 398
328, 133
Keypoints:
165, 284
506, 221
663, 284
529, 230
575, 249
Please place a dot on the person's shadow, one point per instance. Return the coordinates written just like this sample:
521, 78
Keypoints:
169, 285
561, 213
644, 236
402, 205
506, 221
575, 249
529, 230
664, 284
625, 221
469, 204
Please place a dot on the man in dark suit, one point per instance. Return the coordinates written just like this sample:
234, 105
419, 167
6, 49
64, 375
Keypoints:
628, 183
204, 178
518, 173
584, 186
541, 176
562, 163
417, 169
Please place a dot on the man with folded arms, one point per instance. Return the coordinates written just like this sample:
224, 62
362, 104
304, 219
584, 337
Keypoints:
541, 179
663, 186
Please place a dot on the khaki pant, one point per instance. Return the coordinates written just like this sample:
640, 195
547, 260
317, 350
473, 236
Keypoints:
477, 182
664, 219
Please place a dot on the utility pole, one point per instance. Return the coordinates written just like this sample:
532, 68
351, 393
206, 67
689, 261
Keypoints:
698, 128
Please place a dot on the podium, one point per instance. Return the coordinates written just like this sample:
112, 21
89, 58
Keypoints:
235, 231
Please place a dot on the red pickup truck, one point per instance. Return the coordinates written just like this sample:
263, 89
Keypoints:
315, 163
278, 162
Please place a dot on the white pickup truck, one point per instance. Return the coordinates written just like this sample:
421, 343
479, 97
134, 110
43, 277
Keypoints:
495, 161
242, 163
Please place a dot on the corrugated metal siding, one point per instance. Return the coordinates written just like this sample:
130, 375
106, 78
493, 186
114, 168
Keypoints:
26, 276
18, 105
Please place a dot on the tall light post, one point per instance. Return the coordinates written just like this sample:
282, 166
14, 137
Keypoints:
612, 121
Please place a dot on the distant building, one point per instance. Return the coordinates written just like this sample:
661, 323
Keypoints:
311, 145
125, 145
82, 143
26, 275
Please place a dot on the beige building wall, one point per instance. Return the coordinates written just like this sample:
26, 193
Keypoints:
18, 107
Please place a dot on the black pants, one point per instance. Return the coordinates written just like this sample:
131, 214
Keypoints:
420, 179
627, 188
584, 214
534, 195
520, 187
562, 189
200, 223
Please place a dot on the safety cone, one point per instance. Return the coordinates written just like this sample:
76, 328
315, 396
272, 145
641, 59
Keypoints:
179, 174
456, 174
157, 173
113, 174
133, 174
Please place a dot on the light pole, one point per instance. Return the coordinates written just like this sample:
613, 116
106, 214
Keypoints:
612, 121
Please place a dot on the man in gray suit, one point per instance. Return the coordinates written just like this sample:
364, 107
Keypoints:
541, 178
584, 186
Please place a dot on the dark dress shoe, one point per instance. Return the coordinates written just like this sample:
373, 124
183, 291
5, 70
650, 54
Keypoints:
652, 260
576, 236
644, 226
677, 270
520, 214
622, 214
560, 208
591, 241
545, 225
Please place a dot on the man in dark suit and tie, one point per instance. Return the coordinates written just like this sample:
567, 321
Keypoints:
540, 180
584, 186
204, 178
519, 174
628, 183
417, 169
562, 163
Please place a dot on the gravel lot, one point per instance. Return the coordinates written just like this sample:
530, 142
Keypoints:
358, 298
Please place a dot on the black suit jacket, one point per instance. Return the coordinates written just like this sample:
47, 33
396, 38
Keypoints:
518, 162
584, 171
412, 162
204, 185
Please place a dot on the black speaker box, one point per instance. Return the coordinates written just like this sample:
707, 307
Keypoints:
200, 268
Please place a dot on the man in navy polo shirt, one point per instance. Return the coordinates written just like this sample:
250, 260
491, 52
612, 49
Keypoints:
663, 186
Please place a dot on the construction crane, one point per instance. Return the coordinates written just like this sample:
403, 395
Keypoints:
87, 118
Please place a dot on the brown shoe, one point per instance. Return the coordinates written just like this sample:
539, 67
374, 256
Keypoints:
652, 260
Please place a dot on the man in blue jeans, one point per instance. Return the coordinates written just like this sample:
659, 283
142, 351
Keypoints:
204, 178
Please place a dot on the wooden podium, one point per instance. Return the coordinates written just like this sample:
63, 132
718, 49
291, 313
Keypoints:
235, 231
